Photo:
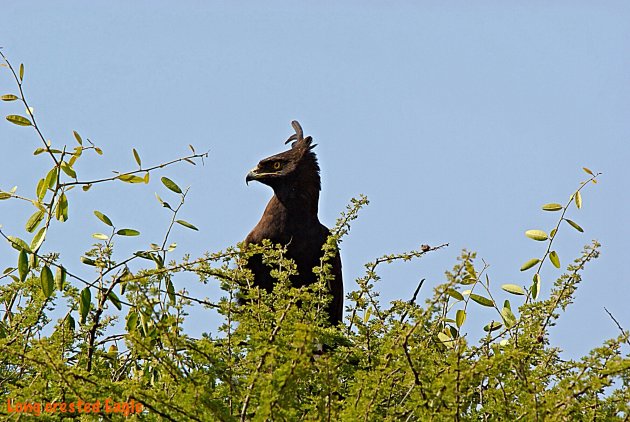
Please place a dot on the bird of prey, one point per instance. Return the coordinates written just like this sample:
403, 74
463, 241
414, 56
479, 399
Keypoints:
290, 219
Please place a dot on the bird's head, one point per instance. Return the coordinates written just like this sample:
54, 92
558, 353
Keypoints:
295, 164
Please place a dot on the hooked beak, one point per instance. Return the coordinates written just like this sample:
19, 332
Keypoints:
252, 175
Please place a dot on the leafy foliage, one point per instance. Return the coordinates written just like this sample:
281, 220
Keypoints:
121, 336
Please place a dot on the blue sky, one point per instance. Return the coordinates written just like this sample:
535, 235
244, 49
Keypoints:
458, 120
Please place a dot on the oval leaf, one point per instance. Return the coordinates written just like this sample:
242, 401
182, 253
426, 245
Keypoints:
171, 185
9, 97
48, 284
132, 321
128, 232
538, 235
18, 244
19, 120
588, 171
88, 261
130, 178
446, 340
513, 288
68, 170
137, 157
555, 260
508, 317
454, 294
187, 224
105, 219
51, 178
23, 266
529, 264
536, 286
114, 299
574, 225
61, 212
481, 300
85, 300
100, 236
34, 221
552, 207
578, 199
170, 289
77, 137
492, 326
60, 278
38, 239
460, 317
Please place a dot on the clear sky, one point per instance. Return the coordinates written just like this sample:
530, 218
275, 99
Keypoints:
457, 119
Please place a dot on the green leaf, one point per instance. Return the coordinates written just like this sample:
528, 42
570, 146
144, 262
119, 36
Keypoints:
23, 266
492, 326
51, 178
460, 317
446, 340
187, 224
170, 289
536, 286
19, 120
77, 137
171, 185
68, 170
48, 285
578, 199
34, 221
85, 300
481, 300
574, 225
105, 219
38, 239
88, 261
454, 294
128, 232
9, 97
100, 236
60, 278
588, 171
146, 178
86, 187
114, 299
538, 235
552, 233
137, 157
41, 189
4, 195
132, 321
552, 207
21, 71
61, 212
509, 319
70, 323
172, 247
130, 178
513, 288
529, 264
18, 244
555, 260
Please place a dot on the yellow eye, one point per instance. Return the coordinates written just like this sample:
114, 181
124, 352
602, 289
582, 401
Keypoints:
277, 165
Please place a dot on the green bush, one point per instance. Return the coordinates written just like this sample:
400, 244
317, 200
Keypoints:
120, 349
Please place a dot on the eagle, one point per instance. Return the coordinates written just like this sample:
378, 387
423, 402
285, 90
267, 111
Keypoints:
290, 219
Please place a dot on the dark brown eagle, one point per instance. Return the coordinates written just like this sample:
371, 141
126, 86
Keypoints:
291, 219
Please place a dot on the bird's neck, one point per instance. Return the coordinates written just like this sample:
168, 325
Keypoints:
300, 201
